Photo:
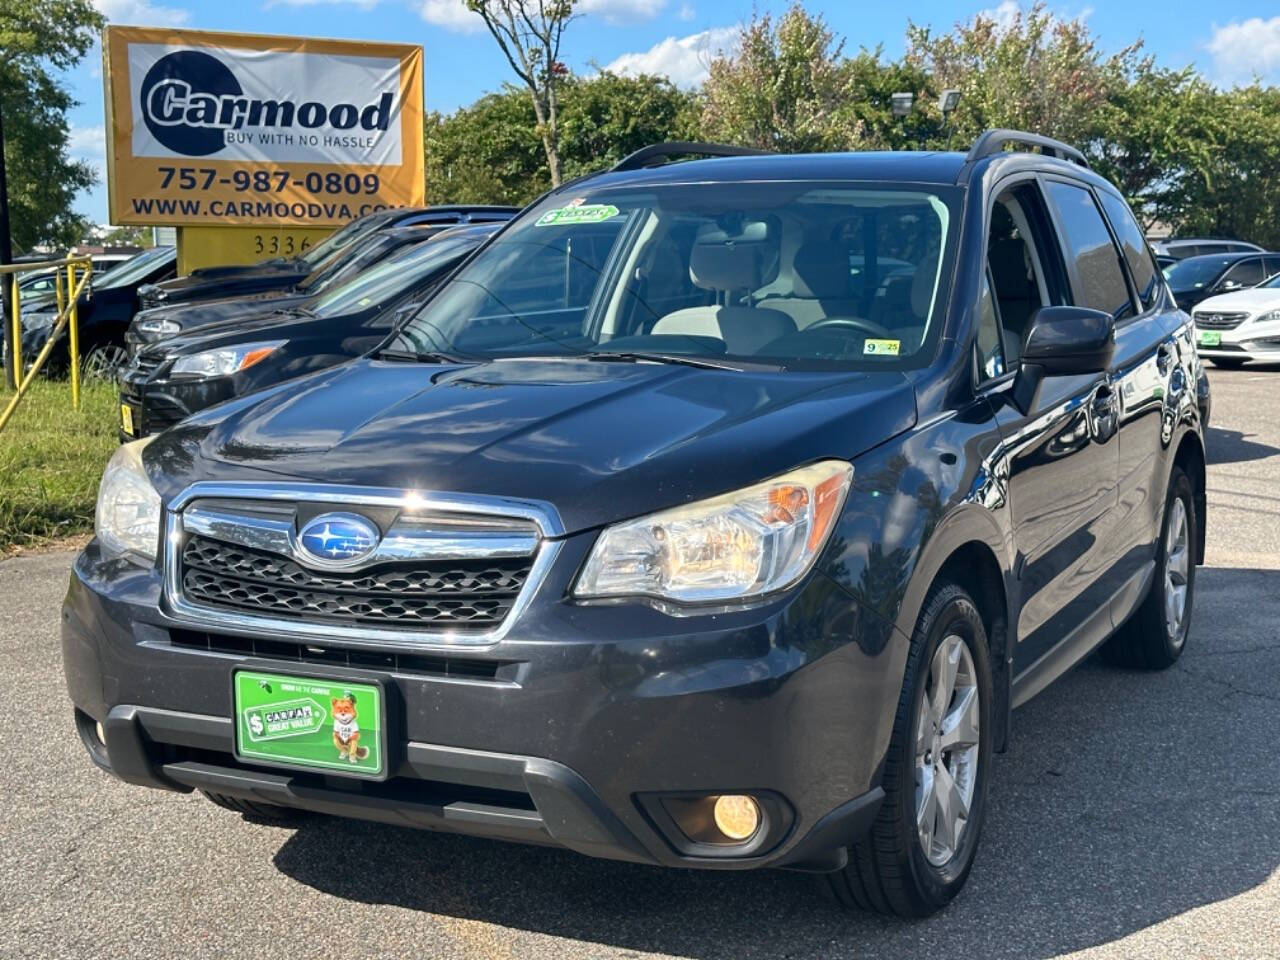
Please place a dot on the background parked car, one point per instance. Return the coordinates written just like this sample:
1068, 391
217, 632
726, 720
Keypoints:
1180, 248
160, 323
1196, 278
169, 381
104, 312
1236, 327
278, 274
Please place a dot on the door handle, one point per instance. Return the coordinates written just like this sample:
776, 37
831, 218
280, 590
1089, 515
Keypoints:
1104, 411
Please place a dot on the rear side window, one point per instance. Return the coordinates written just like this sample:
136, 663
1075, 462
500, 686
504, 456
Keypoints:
1141, 264
1100, 284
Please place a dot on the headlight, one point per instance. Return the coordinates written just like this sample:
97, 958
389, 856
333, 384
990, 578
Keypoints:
128, 515
1272, 317
161, 328
223, 363
732, 547
38, 319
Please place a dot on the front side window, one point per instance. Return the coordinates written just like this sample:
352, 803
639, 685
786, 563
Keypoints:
1100, 283
1142, 267
1246, 273
790, 275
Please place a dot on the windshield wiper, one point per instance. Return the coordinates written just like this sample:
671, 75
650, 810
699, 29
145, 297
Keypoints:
633, 356
413, 356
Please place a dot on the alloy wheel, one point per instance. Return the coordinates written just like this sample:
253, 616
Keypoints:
946, 750
105, 362
1177, 567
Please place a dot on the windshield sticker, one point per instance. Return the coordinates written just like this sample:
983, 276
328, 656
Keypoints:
879, 348
585, 213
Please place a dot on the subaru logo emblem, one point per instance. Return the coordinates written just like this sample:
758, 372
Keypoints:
334, 538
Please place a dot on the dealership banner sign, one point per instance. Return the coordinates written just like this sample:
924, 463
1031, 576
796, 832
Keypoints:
243, 130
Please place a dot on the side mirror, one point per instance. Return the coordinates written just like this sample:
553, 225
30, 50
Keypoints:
1063, 342
1226, 285
403, 314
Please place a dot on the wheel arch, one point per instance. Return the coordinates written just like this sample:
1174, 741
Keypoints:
1190, 456
967, 549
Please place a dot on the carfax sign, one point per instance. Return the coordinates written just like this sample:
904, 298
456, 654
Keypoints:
240, 130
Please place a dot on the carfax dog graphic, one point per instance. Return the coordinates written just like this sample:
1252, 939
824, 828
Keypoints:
346, 732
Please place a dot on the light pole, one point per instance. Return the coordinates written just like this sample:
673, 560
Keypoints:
948, 100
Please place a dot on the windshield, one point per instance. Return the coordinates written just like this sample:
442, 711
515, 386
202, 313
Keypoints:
344, 264
1272, 284
795, 275
339, 239
133, 270
1196, 272
393, 276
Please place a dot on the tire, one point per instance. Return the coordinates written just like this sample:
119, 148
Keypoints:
1149, 640
1228, 364
253, 809
889, 871
104, 361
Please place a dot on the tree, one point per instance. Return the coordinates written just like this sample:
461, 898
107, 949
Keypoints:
529, 33
1037, 73
37, 37
786, 88
490, 152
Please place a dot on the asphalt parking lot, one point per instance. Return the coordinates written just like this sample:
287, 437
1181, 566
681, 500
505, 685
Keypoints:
1136, 815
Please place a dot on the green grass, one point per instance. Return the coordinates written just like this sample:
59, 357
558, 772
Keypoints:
51, 459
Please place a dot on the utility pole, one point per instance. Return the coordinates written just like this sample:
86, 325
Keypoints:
11, 364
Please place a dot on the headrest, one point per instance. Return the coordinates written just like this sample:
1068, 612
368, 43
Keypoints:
922, 284
822, 271
741, 259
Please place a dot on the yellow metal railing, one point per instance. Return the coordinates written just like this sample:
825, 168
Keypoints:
68, 300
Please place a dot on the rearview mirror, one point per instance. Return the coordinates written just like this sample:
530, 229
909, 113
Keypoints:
1063, 342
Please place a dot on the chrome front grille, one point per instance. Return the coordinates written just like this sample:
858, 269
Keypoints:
446, 569
1219, 321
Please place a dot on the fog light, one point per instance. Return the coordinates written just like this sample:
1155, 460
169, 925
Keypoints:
737, 816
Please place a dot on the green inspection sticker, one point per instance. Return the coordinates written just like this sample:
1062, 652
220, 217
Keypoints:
1210, 338
331, 725
583, 213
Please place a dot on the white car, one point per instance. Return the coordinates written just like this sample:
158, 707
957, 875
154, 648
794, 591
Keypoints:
1244, 325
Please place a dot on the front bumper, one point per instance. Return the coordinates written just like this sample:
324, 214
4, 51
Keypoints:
158, 403
560, 733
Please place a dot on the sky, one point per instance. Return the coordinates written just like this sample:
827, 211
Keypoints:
1229, 41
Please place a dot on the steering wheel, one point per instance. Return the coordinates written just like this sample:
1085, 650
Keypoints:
865, 326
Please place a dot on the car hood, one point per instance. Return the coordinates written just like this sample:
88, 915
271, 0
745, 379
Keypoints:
196, 285
1253, 300
273, 325
227, 308
599, 441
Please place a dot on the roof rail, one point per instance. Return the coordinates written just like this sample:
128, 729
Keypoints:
992, 142
658, 153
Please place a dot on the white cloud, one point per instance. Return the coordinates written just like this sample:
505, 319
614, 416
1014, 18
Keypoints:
89, 144
87, 141
684, 60
622, 11
452, 15
1007, 13
142, 13
362, 4
1241, 50
1003, 15
686, 12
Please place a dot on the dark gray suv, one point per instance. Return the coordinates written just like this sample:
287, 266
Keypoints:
712, 514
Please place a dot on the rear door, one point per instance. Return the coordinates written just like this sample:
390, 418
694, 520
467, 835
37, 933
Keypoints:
1152, 351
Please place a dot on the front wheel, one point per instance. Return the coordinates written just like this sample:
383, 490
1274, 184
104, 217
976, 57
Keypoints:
918, 853
104, 361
